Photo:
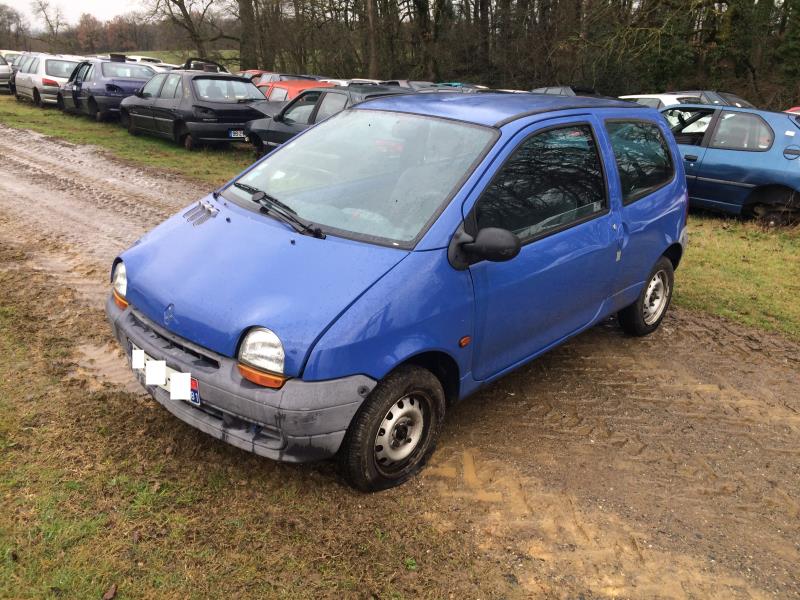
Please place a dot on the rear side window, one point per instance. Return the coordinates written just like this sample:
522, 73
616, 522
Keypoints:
151, 87
278, 94
59, 68
742, 131
553, 179
171, 86
332, 103
643, 158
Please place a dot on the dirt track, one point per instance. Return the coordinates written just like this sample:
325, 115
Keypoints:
612, 467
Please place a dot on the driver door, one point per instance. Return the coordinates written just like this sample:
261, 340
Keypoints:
692, 129
293, 119
141, 112
551, 192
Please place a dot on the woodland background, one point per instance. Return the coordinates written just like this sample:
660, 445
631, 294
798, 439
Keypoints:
751, 47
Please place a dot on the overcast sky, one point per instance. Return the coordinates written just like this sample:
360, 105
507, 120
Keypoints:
72, 9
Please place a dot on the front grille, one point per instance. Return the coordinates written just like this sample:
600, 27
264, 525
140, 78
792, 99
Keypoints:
192, 354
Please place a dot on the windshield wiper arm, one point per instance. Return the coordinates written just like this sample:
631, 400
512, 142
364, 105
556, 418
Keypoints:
272, 199
271, 205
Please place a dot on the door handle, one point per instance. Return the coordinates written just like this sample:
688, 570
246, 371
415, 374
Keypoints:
690, 157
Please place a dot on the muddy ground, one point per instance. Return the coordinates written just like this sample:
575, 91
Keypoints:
666, 467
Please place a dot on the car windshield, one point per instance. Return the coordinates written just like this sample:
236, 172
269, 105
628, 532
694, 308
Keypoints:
378, 175
126, 71
735, 100
59, 68
218, 89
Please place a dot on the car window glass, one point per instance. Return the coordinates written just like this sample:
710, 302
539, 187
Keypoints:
651, 102
301, 110
735, 100
151, 87
278, 94
331, 104
33, 66
59, 68
117, 70
373, 173
23, 65
688, 100
742, 131
552, 179
90, 73
220, 89
172, 83
643, 158
688, 125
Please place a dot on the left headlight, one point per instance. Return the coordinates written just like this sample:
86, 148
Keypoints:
262, 349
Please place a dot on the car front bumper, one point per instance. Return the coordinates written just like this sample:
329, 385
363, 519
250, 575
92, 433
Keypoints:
215, 132
303, 421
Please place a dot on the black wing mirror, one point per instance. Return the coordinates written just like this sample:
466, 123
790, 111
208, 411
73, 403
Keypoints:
491, 243
278, 117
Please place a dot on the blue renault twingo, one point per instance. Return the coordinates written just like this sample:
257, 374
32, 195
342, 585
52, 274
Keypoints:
340, 295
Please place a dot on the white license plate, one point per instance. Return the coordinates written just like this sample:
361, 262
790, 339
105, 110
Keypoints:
140, 373
236, 133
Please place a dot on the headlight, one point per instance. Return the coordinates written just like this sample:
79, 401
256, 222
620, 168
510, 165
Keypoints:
262, 349
119, 279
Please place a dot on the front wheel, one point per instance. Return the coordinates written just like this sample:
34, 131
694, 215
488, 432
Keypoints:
645, 315
395, 431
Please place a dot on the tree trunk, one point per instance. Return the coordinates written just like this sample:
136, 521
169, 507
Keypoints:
372, 39
247, 39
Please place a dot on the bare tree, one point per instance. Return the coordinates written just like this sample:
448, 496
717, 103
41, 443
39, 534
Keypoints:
53, 19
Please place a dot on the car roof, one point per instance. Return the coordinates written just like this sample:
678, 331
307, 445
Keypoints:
490, 109
727, 108
300, 84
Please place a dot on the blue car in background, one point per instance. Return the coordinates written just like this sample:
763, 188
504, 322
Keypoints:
96, 86
740, 161
340, 295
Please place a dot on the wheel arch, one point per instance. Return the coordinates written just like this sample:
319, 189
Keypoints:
444, 367
767, 195
674, 253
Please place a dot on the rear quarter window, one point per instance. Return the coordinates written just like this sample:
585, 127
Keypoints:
643, 158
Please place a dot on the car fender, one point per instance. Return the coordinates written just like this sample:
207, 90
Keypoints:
422, 305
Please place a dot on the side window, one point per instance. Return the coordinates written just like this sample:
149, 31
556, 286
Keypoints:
742, 131
90, 73
81, 74
689, 126
170, 86
277, 94
151, 87
553, 179
301, 109
33, 66
643, 158
332, 103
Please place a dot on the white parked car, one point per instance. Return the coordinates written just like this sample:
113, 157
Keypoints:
5, 74
40, 79
662, 100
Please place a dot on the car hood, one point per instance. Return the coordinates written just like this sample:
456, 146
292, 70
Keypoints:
210, 278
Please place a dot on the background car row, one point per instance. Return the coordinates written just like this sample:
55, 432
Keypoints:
738, 159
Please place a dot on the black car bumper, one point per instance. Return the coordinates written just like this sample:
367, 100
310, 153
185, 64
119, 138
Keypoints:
216, 132
108, 103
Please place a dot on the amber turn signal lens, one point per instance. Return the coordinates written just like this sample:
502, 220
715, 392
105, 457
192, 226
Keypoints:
120, 301
269, 380
464, 341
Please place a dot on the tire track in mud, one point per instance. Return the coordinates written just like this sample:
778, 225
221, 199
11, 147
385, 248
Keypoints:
664, 467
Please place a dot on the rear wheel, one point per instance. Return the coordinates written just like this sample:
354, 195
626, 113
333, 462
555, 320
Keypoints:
775, 206
37, 99
395, 431
645, 315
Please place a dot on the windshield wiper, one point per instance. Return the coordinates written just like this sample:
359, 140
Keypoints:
273, 206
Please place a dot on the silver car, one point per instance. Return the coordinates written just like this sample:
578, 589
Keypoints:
5, 75
40, 78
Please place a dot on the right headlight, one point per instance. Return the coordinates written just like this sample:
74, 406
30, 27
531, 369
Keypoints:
119, 283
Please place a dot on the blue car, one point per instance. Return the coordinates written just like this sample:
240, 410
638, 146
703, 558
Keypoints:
340, 295
96, 87
740, 161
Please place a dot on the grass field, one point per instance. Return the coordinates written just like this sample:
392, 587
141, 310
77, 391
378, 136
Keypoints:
734, 269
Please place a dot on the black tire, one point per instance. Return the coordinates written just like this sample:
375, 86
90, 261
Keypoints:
60, 102
37, 99
362, 460
640, 319
95, 112
127, 122
184, 138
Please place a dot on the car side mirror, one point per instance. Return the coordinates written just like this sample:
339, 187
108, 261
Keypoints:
278, 117
139, 93
491, 243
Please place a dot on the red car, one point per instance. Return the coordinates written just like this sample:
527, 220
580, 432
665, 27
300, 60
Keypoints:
282, 91
794, 109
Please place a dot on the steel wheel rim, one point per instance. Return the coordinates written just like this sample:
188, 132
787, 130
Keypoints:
401, 432
655, 298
